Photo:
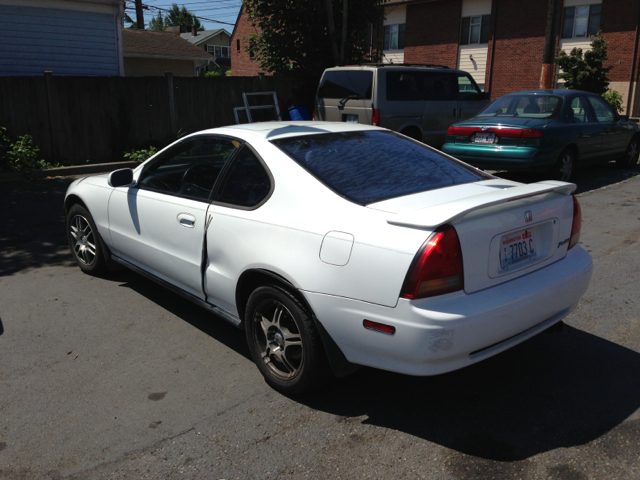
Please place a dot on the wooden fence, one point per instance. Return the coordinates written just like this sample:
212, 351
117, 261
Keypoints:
75, 119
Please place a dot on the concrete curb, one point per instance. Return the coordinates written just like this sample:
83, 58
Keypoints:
66, 171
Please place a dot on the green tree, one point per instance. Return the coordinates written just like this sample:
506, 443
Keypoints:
177, 17
130, 22
307, 36
586, 71
157, 23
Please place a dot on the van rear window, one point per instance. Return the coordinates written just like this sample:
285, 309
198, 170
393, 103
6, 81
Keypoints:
342, 83
372, 166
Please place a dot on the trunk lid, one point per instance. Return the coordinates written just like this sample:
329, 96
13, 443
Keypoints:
506, 229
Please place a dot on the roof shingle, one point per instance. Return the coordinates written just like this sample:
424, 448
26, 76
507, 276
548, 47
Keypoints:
153, 44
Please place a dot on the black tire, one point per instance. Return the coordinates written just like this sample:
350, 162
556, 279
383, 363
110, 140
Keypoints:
630, 159
563, 169
84, 241
284, 342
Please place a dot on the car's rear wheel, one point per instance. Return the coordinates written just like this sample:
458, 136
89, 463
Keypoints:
84, 241
284, 342
630, 160
563, 169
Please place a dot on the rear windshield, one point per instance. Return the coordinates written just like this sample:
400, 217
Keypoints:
526, 106
368, 167
342, 83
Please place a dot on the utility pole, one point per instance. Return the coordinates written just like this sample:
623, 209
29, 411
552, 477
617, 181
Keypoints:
548, 58
139, 15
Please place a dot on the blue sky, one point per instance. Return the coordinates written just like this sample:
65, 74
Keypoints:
210, 12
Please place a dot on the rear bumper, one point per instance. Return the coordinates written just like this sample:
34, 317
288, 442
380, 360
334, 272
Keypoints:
504, 158
441, 334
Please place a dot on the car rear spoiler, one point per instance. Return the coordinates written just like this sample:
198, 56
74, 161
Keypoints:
452, 212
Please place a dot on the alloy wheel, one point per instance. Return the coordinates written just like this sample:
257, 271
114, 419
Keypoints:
566, 167
278, 339
85, 244
632, 153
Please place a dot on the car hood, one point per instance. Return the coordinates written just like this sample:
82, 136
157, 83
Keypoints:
507, 122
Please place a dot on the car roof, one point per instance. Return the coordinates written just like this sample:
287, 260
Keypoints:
560, 93
278, 130
388, 66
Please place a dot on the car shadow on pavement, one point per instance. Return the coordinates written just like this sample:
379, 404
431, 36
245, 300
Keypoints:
587, 178
210, 324
553, 391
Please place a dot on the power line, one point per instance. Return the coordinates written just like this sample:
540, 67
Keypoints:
159, 9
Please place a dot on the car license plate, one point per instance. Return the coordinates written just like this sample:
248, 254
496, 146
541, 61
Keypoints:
482, 137
351, 119
517, 248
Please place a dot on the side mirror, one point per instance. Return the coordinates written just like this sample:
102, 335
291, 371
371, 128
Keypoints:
623, 118
121, 178
485, 96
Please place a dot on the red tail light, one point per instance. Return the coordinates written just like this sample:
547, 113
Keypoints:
379, 327
438, 269
313, 115
577, 223
376, 117
501, 132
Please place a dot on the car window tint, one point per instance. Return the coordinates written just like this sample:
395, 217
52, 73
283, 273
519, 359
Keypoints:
190, 169
405, 86
342, 83
368, 167
578, 112
466, 88
440, 86
247, 183
525, 105
603, 111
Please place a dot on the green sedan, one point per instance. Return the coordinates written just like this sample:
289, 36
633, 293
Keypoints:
545, 130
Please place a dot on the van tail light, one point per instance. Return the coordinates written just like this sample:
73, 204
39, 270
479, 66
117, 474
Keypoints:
438, 267
577, 223
501, 132
376, 117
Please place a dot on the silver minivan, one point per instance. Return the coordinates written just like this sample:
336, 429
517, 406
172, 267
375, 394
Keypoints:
418, 101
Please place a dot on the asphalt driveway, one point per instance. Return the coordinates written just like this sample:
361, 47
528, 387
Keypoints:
117, 378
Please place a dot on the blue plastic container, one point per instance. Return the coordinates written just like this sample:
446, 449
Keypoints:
299, 112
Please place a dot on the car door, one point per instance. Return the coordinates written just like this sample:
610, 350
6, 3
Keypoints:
441, 106
470, 99
403, 106
613, 136
159, 224
588, 131
236, 225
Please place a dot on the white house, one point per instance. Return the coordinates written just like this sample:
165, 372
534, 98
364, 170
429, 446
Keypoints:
67, 37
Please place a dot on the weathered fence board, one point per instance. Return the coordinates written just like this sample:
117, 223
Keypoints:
76, 119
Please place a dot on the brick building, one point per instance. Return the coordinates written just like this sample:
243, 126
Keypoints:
243, 64
500, 42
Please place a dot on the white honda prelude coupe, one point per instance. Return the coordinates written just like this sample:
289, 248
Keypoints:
335, 245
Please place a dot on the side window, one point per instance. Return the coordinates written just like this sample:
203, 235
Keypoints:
405, 85
466, 88
578, 111
603, 111
189, 169
440, 86
247, 183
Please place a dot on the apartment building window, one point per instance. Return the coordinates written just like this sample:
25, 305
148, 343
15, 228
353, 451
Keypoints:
218, 51
475, 30
580, 22
394, 37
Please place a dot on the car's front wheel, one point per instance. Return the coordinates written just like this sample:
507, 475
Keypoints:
563, 169
630, 160
284, 342
84, 241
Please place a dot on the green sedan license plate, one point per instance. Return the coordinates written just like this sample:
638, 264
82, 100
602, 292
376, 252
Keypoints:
484, 137
517, 248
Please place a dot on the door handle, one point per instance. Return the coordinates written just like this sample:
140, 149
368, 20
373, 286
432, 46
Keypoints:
186, 220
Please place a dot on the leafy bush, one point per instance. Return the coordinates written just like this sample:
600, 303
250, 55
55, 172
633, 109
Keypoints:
614, 99
213, 73
140, 155
228, 73
20, 155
